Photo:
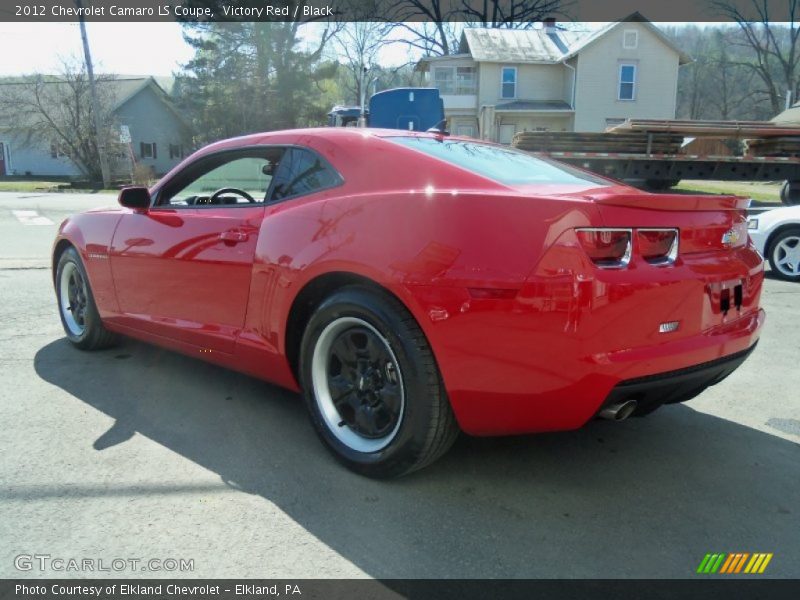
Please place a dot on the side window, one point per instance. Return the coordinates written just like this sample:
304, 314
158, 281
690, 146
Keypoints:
627, 82
148, 150
508, 87
249, 174
302, 172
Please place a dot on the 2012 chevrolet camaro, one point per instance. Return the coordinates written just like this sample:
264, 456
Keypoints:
415, 284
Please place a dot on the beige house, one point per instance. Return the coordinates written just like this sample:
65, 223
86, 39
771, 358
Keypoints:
551, 79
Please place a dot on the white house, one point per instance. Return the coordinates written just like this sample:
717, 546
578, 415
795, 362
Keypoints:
551, 79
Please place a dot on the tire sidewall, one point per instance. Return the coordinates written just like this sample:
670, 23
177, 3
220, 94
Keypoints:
773, 247
92, 317
411, 437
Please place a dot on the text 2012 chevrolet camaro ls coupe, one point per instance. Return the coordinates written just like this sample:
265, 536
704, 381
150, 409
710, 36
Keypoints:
412, 285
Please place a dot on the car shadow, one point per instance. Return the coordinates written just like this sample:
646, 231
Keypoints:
644, 498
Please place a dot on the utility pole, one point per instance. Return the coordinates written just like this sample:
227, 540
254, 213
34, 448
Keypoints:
362, 88
98, 135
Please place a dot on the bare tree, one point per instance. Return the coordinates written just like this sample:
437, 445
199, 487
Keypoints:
434, 26
513, 14
730, 82
775, 45
358, 45
430, 24
55, 113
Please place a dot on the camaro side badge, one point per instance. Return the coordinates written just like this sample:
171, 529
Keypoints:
669, 327
731, 237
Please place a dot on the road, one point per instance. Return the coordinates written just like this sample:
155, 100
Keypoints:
140, 453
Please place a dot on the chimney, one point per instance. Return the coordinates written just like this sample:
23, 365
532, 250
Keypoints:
550, 25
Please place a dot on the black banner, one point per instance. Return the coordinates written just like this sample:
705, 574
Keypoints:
394, 589
384, 10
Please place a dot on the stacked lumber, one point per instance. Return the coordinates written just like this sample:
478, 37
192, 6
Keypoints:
635, 142
774, 146
705, 146
722, 129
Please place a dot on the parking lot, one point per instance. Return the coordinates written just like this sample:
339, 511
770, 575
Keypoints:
141, 453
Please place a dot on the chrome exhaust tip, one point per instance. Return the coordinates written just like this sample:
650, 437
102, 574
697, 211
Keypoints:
619, 411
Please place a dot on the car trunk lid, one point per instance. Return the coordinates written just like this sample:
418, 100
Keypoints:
706, 223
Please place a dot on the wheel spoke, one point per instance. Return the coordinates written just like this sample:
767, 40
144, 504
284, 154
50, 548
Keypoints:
345, 350
374, 350
390, 397
339, 386
366, 419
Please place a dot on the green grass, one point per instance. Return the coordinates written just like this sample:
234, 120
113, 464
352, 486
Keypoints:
27, 186
763, 192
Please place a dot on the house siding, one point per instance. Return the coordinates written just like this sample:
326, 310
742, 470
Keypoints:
34, 158
150, 121
534, 82
149, 118
598, 79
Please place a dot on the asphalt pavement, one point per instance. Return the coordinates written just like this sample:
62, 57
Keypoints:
137, 453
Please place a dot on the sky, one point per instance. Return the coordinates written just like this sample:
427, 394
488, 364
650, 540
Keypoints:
118, 48
121, 48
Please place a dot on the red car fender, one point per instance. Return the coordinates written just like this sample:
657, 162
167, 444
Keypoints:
91, 234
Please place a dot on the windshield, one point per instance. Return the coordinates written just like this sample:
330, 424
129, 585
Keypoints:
504, 165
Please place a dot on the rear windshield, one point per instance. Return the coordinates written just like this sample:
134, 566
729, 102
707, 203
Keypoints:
510, 167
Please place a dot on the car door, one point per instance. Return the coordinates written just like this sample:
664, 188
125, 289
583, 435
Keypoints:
182, 269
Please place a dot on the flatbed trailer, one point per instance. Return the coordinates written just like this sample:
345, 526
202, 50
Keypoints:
651, 152
661, 171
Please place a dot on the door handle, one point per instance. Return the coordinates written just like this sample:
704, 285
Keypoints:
233, 236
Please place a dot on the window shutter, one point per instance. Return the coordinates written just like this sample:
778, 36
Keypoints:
141, 149
155, 154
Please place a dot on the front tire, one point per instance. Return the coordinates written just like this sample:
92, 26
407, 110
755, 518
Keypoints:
76, 305
784, 254
372, 387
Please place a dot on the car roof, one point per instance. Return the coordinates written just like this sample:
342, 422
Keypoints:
331, 133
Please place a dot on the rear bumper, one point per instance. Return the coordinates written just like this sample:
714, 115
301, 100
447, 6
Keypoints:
681, 385
549, 385
550, 358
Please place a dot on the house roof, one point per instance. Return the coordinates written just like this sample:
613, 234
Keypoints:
118, 89
635, 17
528, 105
542, 45
790, 115
516, 45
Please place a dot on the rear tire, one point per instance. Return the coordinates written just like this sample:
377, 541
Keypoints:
76, 305
790, 193
784, 254
372, 387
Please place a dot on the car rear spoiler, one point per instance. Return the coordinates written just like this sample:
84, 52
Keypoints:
690, 202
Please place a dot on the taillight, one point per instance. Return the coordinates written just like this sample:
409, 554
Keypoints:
608, 248
658, 246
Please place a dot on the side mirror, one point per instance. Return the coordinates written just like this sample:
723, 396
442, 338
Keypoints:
136, 197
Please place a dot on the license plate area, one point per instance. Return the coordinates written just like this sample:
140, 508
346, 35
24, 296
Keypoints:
726, 297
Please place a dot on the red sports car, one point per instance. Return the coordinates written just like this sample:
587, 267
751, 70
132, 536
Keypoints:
415, 284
